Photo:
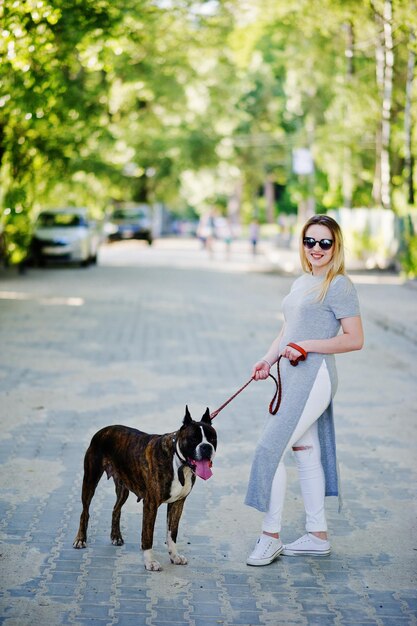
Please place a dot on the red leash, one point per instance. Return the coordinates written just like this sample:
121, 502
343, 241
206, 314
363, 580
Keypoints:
217, 411
276, 400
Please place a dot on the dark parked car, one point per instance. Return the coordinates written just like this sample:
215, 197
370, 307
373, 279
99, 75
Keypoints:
133, 222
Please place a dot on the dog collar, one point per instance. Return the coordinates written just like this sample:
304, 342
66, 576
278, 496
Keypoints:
184, 462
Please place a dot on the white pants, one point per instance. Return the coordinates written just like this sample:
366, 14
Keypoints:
306, 445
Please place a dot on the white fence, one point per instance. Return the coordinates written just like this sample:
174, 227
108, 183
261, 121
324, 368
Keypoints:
372, 237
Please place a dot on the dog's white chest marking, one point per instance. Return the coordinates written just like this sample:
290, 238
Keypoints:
179, 491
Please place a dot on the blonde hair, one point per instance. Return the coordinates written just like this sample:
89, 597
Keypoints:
337, 263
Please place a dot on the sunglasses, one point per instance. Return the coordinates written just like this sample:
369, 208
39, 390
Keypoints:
310, 242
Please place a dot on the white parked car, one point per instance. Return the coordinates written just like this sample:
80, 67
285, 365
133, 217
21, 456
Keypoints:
65, 235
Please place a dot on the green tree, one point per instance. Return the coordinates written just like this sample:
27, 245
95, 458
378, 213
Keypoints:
194, 102
52, 109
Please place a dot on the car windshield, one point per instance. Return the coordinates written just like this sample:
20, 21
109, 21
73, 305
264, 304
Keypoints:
129, 214
49, 220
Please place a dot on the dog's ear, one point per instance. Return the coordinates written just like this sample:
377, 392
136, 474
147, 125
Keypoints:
206, 417
187, 417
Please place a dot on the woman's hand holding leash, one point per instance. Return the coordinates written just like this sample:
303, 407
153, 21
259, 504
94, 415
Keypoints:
294, 353
260, 370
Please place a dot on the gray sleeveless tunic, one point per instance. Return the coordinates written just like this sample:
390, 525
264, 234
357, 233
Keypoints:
305, 318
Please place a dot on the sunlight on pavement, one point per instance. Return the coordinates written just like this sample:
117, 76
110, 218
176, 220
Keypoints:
183, 254
51, 301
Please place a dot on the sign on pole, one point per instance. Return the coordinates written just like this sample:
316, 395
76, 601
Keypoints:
302, 161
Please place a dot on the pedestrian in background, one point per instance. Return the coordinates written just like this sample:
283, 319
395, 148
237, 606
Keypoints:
254, 235
206, 231
225, 233
321, 302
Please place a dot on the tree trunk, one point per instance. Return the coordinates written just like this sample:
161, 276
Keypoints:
386, 107
380, 72
347, 177
234, 205
384, 53
408, 161
269, 199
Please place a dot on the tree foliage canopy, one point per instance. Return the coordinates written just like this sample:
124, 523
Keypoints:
195, 102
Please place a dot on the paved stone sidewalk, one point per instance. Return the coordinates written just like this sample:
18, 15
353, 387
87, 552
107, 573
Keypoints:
133, 345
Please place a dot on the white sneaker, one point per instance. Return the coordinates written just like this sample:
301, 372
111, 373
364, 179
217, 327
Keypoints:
307, 545
266, 550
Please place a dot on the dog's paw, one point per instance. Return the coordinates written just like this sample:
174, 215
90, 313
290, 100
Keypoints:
117, 541
151, 564
79, 543
178, 559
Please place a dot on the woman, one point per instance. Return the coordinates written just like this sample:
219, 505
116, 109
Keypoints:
322, 317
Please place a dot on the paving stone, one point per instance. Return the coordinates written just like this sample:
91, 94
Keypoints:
94, 610
395, 620
131, 620
354, 613
68, 566
411, 601
96, 596
60, 590
243, 604
133, 606
169, 622
324, 620
103, 574
209, 621
70, 554
133, 593
388, 608
132, 580
93, 621
207, 609
309, 583
65, 577
246, 617
168, 614
213, 598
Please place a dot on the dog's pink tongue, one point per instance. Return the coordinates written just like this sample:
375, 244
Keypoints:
203, 469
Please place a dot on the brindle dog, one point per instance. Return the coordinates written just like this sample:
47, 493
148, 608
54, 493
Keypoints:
156, 468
